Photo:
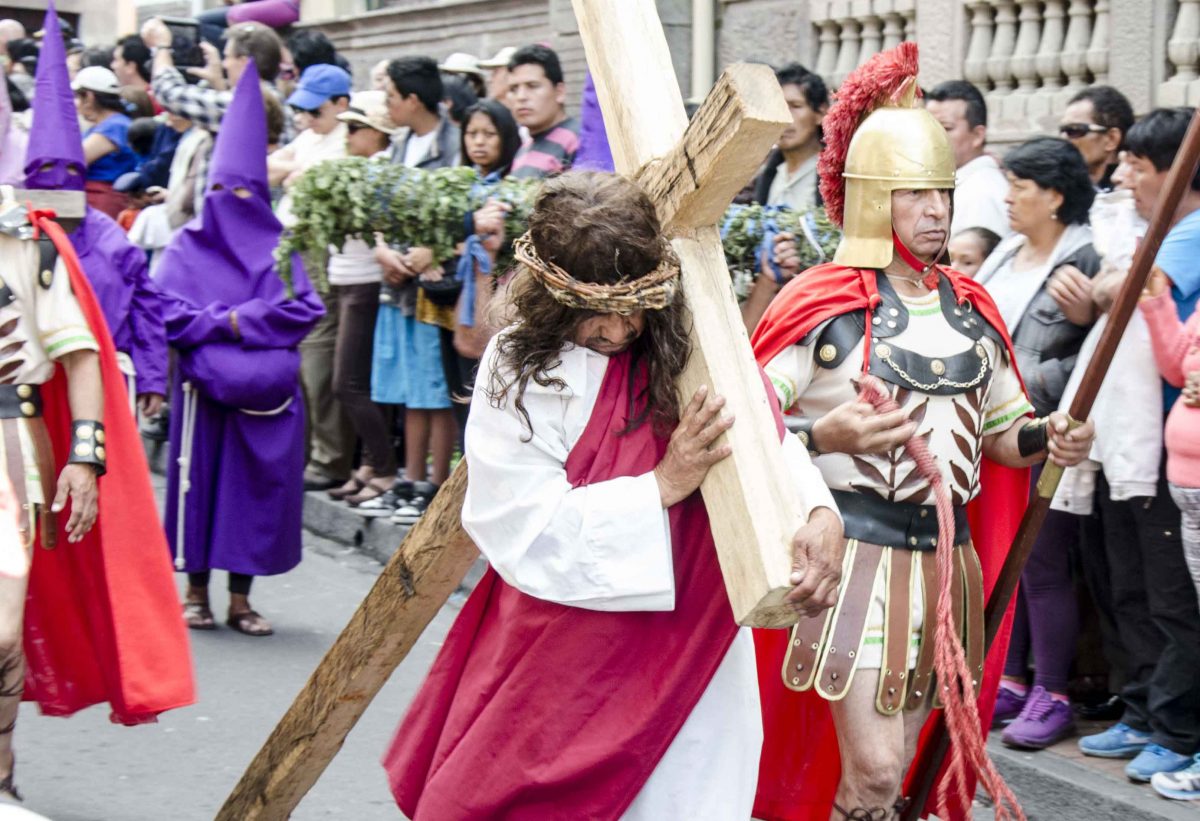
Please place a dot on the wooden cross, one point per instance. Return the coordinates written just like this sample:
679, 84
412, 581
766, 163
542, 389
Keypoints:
691, 177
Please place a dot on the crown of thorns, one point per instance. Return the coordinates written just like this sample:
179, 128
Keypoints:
651, 292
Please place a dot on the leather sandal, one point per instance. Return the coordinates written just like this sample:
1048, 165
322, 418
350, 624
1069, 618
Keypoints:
355, 485
367, 492
197, 615
246, 621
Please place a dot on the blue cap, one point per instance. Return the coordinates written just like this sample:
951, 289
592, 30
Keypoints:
317, 84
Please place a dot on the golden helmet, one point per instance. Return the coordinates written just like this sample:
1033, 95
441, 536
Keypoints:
894, 149
878, 140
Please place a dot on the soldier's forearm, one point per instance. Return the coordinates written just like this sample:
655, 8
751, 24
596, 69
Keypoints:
85, 390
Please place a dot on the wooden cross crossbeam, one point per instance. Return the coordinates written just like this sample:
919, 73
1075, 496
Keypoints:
691, 173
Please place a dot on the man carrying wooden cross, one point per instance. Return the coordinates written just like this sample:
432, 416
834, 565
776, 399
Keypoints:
596, 671
905, 379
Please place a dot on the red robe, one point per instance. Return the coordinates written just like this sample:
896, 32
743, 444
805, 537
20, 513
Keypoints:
102, 617
800, 768
537, 710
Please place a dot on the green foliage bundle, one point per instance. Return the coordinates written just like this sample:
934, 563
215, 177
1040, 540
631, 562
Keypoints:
356, 197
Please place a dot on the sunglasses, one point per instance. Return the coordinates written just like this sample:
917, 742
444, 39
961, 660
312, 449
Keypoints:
312, 112
1076, 130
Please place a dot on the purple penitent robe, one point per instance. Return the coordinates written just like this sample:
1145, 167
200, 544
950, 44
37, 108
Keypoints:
132, 305
242, 511
237, 414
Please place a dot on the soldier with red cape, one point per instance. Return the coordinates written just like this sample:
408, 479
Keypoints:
94, 601
904, 379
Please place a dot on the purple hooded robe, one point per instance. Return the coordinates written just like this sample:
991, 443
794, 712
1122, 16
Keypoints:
237, 414
114, 266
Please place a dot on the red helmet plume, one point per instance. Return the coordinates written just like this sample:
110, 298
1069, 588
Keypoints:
879, 80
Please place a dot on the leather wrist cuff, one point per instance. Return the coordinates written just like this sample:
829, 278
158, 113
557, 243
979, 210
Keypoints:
804, 431
87, 445
1033, 437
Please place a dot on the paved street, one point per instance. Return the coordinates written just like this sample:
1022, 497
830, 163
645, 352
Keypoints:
86, 769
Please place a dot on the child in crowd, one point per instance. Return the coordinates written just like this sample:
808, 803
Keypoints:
970, 247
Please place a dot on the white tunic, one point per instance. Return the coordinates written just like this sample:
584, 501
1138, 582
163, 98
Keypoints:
607, 546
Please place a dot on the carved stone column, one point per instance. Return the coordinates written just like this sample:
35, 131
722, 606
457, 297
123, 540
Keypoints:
1075, 48
1097, 53
1041, 106
848, 50
827, 50
1024, 63
975, 65
1183, 50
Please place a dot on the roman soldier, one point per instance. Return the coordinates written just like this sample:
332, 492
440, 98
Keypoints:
90, 615
903, 377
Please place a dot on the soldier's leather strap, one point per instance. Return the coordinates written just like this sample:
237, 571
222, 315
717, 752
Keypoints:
849, 623
922, 679
897, 631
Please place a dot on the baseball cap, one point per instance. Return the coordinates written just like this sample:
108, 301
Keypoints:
96, 78
500, 60
461, 63
369, 108
317, 84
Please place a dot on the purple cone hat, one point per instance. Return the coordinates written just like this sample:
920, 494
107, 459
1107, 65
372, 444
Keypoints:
239, 158
226, 254
54, 159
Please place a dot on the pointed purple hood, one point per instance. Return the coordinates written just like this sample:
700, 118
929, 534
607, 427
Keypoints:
226, 254
54, 159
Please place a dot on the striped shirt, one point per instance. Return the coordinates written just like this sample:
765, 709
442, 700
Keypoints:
551, 152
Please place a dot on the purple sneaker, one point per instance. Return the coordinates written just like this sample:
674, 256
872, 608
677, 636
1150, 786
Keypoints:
1008, 707
1044, 721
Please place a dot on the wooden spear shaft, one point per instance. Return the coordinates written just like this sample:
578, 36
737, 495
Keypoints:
1183, 170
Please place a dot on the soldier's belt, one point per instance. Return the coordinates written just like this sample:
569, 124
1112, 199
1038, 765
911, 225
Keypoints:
20, 401
869, 518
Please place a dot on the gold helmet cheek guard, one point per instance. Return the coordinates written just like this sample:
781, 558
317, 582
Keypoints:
894, 149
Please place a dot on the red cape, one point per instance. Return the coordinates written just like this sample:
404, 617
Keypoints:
102, 617
799, 772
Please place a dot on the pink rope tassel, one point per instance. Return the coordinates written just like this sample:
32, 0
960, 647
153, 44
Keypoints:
950, 661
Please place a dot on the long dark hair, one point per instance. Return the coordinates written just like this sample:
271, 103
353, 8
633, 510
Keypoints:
582, 222
502, 119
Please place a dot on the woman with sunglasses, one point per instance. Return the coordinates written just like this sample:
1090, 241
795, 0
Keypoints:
1040, 278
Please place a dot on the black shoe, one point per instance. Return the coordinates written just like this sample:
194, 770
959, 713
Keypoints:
156, 429
319, 481
407, 514
1111, 709
384, 504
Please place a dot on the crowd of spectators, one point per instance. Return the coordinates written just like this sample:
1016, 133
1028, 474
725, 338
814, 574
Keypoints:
1048, 226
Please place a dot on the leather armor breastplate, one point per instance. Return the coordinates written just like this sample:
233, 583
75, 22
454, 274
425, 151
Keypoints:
937, 376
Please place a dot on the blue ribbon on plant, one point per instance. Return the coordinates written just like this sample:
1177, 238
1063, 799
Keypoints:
766, 249
474, 256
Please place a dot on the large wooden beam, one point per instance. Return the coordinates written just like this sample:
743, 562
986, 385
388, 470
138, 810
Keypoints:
749, 496
428, 567
692, 177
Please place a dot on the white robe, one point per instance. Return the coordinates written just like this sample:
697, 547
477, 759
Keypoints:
607, 546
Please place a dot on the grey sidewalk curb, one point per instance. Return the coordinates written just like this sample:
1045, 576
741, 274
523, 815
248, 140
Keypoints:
1050, 786
375, 538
